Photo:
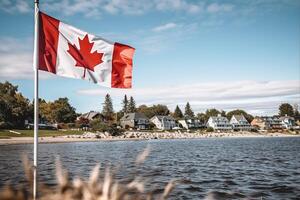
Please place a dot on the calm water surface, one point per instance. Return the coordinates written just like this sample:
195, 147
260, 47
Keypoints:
247, 168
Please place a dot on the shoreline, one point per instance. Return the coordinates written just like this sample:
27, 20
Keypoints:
69, 139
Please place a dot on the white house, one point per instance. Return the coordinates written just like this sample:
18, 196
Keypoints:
219, 123
239, 122
287, 122
189, 123
163, 122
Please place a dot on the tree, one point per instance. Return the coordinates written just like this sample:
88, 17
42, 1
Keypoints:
177, 113
188, 111
153, 110
202, 117
286, 109
296, 111
63, 112
125, 104
212, 112
131, 105
107, 109
239, 112
14, 107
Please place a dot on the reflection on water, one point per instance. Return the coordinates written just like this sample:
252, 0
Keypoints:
253, 168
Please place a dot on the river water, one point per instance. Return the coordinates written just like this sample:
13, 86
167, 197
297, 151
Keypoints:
226, 168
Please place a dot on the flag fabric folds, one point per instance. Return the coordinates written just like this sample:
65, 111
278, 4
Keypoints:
67, 51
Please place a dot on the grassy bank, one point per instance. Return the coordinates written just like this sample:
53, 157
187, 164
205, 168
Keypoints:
4, 134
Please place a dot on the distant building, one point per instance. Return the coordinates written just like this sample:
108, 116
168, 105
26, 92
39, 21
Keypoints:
163, 122
219, 123
267, 122
190, 123
135, 120
91, 116
240, 123
287, 122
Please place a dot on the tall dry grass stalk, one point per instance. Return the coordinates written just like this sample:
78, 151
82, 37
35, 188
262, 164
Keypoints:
95, 188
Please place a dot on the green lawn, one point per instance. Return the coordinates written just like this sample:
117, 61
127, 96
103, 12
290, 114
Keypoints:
42, 133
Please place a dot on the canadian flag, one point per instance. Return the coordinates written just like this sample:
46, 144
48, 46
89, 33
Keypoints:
67, 51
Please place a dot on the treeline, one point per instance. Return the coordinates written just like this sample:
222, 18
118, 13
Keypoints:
15, 109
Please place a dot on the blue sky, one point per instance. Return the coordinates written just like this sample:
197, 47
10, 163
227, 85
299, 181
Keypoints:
223, 54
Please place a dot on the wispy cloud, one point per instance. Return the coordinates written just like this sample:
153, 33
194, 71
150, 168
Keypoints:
253, 96
165, 27
16, 59
216, 7
15, 6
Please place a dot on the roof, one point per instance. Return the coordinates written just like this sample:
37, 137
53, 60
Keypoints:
239, 117
90, 115
287, 117
132, 116
219, 118
160, 117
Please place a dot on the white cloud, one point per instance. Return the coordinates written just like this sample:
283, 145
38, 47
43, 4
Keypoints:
254, 96
15, 6
216, 7
16, 59
165, 27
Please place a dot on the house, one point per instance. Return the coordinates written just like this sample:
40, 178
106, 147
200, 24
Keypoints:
219, 123
287, 122
163, 122
190, 123
90, 116
240, 123
267, 122
135, 120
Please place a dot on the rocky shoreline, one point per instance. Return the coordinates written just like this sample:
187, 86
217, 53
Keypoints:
173, 135
139, 135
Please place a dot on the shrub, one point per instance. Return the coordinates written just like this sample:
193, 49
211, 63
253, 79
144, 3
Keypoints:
209, 129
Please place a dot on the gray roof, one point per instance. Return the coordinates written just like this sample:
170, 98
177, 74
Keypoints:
160, 117
90, 115
239, 117
132, 116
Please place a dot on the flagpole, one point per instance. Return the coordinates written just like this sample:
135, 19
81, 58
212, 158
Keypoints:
36, 96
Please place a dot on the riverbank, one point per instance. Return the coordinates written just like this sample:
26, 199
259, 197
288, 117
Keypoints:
93, 137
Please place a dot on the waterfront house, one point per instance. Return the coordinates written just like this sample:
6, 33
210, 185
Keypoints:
219, 123
163, 122
190, 123
135, 121
267, 122
287, 122
89, 116
240, 123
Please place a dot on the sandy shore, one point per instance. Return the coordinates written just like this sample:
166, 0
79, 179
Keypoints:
91, 137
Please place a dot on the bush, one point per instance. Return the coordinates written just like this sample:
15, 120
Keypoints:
98, 125
209, 129
5, 125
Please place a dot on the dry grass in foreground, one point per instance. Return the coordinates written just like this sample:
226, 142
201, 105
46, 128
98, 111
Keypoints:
95, 188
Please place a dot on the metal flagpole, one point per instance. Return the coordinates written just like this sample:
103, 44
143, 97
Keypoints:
36, 95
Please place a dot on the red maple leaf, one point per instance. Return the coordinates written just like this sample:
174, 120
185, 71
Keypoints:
83, 56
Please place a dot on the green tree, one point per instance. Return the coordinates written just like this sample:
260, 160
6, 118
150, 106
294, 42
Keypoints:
63, 112
212, 112
177, 113
296, 111
202, 117
131, 105
15, 108
107, 109
286, 109
125, 104
153, 110
188, 112
239, 112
